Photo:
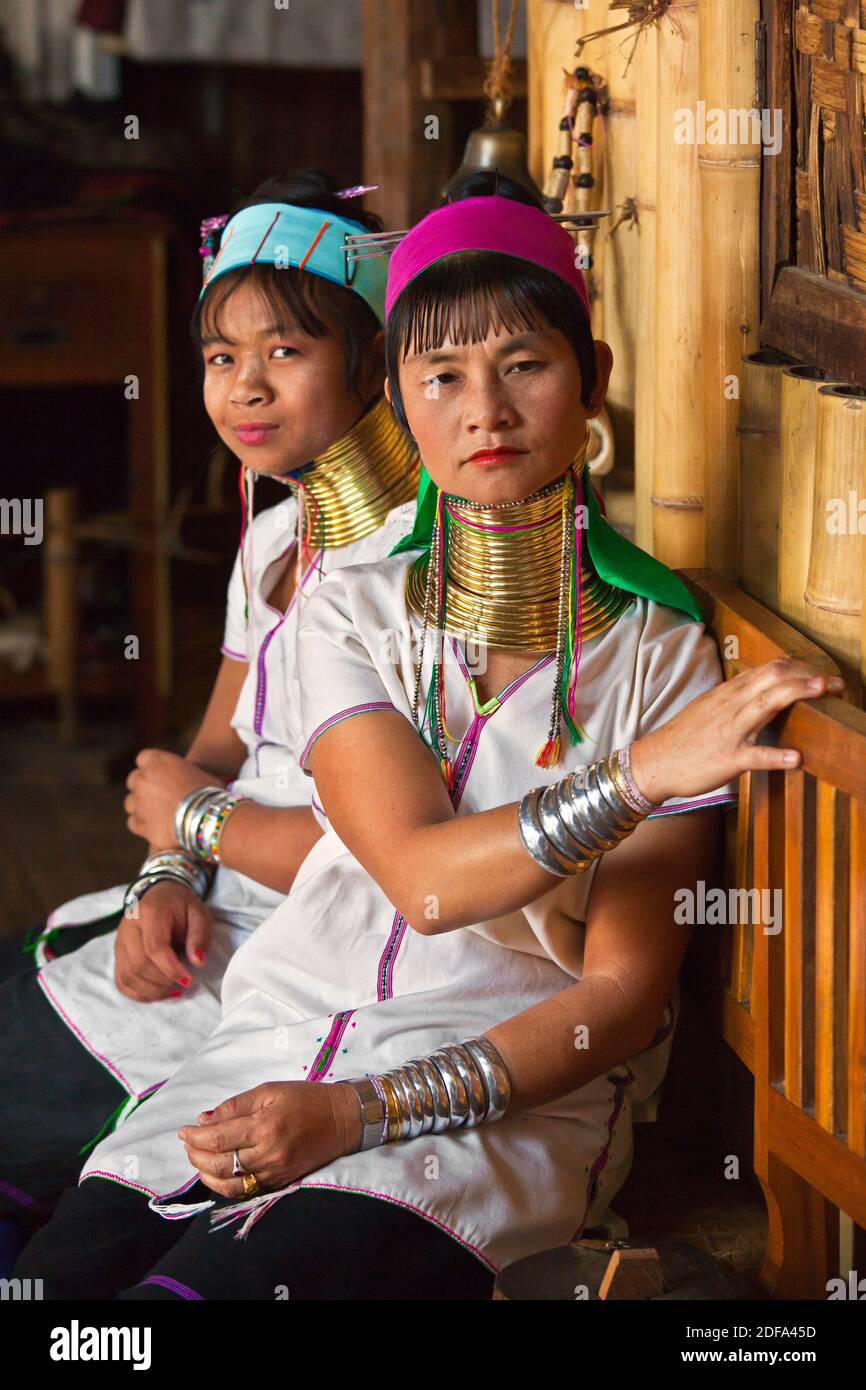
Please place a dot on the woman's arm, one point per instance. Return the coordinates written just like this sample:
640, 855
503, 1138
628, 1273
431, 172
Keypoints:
267, 843
217, 747
443, 872
400, 825
633, 949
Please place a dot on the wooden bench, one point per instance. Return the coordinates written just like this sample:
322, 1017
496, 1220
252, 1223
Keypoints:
792, 1002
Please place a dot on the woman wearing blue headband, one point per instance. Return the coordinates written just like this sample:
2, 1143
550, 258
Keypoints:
290, 336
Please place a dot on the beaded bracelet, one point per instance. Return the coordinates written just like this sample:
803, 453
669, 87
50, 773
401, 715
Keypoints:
200, 818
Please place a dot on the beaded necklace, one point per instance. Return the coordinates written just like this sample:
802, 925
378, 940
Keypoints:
505, 575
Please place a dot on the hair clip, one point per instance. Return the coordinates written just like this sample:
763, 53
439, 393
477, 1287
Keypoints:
582, 219
208, 233
366, 245
357, 190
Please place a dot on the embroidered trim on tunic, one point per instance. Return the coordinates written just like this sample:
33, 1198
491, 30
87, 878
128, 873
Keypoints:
336, 719
723, 798
322, 1059
621, 1085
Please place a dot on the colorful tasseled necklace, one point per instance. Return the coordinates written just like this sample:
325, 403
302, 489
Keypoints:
506, 575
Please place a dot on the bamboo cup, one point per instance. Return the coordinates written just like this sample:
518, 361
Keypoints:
834, 589
800, 386
758, 432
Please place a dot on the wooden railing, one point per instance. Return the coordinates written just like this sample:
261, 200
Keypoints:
791, 1001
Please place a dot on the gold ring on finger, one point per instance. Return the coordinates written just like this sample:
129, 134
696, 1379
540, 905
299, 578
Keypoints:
251, 1184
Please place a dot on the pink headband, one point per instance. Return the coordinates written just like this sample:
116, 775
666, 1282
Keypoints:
485, 224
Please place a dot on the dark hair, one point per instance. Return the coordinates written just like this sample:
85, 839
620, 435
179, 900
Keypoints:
316, 305
462, 296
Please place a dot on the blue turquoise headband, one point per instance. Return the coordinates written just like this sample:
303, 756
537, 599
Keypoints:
283, 235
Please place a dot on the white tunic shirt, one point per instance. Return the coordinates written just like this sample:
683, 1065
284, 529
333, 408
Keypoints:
336, 983
142, 1044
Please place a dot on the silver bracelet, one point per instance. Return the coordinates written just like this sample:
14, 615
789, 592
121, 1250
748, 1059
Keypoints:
458, 1099
182, 865
472, 1079
571, 823
438, 1090
371, 1101
535, 840
635, 793
458, 1087
185, 807
136, 890
169, 865
497, 1082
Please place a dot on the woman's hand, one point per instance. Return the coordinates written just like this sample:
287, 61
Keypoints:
156, 784
145, 965
713, 739
281, 1130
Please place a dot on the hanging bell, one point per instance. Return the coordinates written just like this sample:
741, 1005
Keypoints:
496, 146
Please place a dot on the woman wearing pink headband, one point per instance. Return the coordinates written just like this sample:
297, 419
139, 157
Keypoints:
481, 954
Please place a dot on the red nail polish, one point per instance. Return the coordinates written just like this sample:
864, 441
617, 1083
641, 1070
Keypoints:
199, 955
207, 1112
183, 980
175, 993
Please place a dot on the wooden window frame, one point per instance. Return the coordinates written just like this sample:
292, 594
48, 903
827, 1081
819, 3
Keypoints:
803, 313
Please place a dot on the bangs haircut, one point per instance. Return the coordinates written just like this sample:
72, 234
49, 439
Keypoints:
466, 296
293, 299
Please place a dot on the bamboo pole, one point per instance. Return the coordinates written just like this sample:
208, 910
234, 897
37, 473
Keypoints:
834, 590
800, 386
620, 243
678, 465
646, 60
729, 159
760, 483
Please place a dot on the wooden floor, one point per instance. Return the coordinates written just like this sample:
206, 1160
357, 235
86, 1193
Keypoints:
62, 824
62, 827
677, 1188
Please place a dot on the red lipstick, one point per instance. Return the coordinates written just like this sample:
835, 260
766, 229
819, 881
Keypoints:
494, 455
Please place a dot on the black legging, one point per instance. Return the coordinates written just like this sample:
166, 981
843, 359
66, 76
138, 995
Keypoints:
54, 1096
104, 1242
16, 953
